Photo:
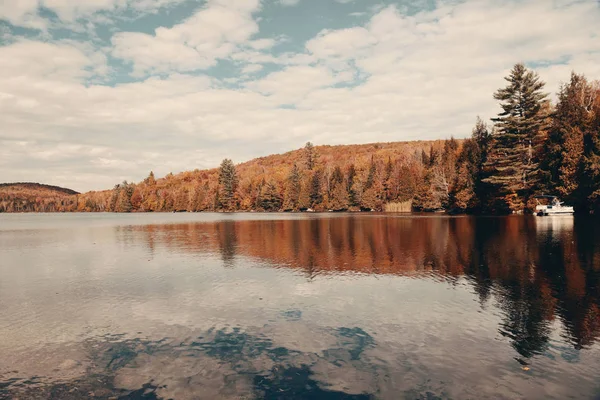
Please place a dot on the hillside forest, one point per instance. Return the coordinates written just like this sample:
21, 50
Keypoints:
531, 147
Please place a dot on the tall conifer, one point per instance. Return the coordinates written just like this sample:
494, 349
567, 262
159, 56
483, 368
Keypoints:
513, 164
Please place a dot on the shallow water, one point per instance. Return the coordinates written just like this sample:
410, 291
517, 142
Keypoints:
332, 306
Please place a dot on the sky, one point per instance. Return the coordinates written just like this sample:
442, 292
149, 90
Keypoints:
94, 92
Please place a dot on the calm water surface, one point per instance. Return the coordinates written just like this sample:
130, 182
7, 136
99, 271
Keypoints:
188, 306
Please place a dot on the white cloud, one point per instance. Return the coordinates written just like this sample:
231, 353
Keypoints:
22, 13
68, 10
292, 84
262, 44
57, 63
26, 12
289, 2
212, 33
252, 68
344, 43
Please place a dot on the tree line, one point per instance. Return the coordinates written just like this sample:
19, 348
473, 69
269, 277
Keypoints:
531, 147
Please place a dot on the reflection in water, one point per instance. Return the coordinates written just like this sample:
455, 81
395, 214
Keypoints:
342, 307
532, 264
228, 363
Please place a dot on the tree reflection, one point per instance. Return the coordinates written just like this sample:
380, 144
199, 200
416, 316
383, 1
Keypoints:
535, 269
227, 238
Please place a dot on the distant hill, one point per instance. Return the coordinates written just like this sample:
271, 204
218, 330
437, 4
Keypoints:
42, 188
31, 196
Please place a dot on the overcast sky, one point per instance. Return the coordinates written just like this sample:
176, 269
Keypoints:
93, 92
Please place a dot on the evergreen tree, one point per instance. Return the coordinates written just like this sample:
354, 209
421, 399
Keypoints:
304, 198
424, 199
150, 181
337, 176
512, 163
469, 193
270, 199
350, 187
228, 183
388, 183
337, 198
424, 158
372, 172
259, 190
293, 189
407, 183
310, 156
433, 156
316, 195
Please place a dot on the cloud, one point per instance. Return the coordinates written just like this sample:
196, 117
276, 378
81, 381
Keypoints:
63, 62
262, 44
397, 77
289, 2
252, 68
212, 33
22, 13
25, 13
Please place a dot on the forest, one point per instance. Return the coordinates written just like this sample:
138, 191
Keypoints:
531, 147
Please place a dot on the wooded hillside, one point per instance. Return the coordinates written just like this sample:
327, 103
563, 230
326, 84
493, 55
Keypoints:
317, 177
29, 196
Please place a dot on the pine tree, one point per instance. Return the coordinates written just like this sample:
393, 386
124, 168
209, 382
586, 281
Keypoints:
424, 158
293, 189
351, 187
150, 181
304, 198
316, 195
512, 163
388, 181
469, 193
407, 183
310, 156
270, 199
337, 198
228, 183
372, 172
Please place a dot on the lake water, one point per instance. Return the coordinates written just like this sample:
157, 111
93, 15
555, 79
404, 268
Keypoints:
286, 306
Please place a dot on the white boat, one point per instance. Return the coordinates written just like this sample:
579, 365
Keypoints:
553, 206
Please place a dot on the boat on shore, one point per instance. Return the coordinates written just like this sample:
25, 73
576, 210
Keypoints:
551, 205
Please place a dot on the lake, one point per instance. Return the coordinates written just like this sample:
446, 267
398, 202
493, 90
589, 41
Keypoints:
298, 306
